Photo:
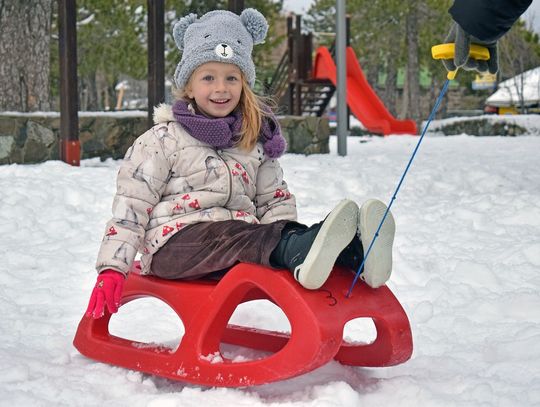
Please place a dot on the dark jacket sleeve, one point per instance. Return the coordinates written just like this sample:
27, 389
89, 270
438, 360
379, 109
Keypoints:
487, 20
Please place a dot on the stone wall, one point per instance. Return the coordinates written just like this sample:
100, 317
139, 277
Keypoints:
32, 137
27, 138
488, 125
306, 134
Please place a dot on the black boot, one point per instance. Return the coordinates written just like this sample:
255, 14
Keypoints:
292, 249
311, 252
352, 256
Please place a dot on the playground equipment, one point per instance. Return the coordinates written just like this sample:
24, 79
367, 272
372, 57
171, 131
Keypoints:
361, 98
306, 88
317, 319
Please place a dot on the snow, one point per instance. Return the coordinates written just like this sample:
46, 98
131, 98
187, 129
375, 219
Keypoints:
466, 270
297, 6
524, 86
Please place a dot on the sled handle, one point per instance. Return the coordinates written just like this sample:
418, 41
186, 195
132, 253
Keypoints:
447, 51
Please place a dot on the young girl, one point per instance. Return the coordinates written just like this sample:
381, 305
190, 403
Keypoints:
202, 190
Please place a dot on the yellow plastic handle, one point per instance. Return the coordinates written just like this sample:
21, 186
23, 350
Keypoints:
447, 51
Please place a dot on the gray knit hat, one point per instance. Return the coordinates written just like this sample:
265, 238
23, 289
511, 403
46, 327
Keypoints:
218, 36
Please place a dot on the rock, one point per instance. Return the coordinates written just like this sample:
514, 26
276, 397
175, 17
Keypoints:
306, 134
6, 147
39, 142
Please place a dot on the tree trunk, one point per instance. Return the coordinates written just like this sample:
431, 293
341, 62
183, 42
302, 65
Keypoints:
389, 95
372, 74
91, 88
25, 33
411, 91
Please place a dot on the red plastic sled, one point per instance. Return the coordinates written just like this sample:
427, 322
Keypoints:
316, 317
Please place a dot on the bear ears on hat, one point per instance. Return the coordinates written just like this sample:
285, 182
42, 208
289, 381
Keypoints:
253, 21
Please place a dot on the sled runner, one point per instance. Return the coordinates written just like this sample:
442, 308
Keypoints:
316, 317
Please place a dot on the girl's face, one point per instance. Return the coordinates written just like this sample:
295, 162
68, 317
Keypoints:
216, 88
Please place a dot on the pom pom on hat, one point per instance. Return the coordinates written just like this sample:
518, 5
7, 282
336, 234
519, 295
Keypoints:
179, 29
255, 23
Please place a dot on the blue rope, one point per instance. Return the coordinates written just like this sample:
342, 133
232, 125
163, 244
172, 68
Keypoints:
430, 118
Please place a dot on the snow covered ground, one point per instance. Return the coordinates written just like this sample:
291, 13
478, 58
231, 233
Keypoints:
467, 271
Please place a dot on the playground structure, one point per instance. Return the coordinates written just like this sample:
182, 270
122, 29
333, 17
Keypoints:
305, 88
317, 319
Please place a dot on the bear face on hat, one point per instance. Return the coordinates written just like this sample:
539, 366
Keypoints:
218, 36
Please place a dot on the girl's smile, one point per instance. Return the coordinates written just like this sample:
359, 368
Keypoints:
220, 101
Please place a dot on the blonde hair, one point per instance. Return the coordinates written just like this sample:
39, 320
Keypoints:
254, 109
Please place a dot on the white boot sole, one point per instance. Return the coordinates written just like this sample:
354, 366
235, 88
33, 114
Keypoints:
335, 234
378, 265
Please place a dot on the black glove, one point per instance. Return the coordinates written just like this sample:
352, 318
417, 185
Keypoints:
462, 42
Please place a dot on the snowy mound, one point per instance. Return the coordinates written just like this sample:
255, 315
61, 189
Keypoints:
487, 125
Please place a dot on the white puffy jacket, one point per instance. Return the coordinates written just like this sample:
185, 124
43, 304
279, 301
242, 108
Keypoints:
169, 179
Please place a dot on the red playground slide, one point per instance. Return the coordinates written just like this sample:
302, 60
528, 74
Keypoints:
361, 98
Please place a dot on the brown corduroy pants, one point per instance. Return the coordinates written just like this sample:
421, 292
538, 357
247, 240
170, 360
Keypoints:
214, 247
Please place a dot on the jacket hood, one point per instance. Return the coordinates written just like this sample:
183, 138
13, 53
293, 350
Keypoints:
163, 114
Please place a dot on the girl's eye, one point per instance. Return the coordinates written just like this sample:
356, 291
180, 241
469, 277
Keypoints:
207, 78
232, 78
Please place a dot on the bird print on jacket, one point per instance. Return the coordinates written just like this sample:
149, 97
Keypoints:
143, 173
121, 253
130, 218
212, 165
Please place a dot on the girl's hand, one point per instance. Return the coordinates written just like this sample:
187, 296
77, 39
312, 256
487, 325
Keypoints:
108, 290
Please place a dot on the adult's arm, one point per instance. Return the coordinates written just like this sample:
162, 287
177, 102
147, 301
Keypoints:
487, 20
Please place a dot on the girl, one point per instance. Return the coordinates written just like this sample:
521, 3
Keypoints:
203, 190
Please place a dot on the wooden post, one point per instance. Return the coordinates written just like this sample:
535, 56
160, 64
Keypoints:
348, 44
70, 148
308, 45
120, 97
305, 57
236, 6
156, 56
290, 51
297, 63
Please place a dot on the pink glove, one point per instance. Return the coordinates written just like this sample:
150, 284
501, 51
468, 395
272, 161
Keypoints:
108, 289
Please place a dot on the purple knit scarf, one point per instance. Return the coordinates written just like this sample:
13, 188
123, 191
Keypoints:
223, 132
